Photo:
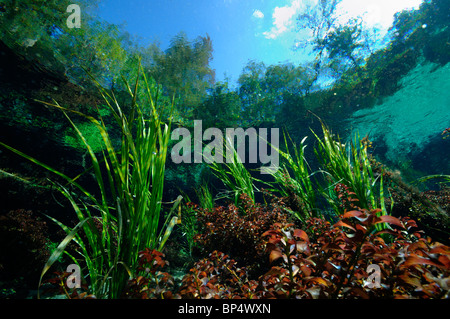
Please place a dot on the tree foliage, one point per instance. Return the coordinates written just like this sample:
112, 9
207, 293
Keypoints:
281, 93
221, 107
183, 70
39, 32
265, 91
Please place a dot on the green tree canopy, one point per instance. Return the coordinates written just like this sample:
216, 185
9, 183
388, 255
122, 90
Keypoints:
265, 90
183, 70
221, 109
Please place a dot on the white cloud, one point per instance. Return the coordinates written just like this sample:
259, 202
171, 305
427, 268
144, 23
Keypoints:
374, 12
283, 19
258, 14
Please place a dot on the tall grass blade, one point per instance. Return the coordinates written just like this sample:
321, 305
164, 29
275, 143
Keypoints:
60, 249
130, 181
300, 184
351, 167
233, 173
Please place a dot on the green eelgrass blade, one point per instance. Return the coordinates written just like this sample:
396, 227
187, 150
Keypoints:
301, 182
205, 197
381, 226
168, 231
168, 228
436, 176
233, 173
350, 166
135, 176
95, 162
112, 155
60, 249
49, 168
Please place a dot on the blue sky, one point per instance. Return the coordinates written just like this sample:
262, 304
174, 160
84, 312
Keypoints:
241, 30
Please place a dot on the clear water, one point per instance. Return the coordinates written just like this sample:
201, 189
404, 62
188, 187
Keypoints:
408, 120
231, 64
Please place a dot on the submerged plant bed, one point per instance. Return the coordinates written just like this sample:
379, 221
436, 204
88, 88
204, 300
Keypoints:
345, 260
430, 208
288, 248
434, 217
321, 261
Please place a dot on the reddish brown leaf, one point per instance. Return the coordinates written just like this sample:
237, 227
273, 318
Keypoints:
332, 246
361, 228
341, 223
301, 234
302, 247
168, 295
275, 254
358, 291
319, 281
353, 213
445, 261
275, 271
274, 240
386, 231
416, 260
413, 281
390, 220
440, 249
270, 233
411, 223
418, 245
306, 270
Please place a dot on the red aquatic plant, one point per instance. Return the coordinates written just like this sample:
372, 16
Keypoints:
150, 282
237, 232
347, 198
217, 277
348, 259
57, 285
345, 259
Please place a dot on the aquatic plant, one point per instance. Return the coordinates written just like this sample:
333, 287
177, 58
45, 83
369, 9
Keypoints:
125, 217
188, 224
57, 285
351, 260
347, 177
349, 167
234, 174
429, 209
345, 260
237, 231
90, 133
150, 282
205, 197
446, 178
217, 277
300, 184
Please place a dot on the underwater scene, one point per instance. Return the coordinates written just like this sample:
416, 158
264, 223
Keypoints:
224, 149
